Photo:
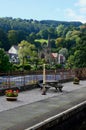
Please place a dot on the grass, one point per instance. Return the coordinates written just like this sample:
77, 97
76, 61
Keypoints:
41, 40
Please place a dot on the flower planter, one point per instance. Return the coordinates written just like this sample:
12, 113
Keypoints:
11, 98
11, 95
75, 82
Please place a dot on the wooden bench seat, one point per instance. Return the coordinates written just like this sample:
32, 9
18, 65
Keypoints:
51, 83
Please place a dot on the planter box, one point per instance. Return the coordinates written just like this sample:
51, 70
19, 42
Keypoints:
75, 82
11, 98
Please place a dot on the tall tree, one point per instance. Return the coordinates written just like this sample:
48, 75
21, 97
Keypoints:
4, 61
26, 50
4, 40
13, 37
79, 56
60, 29
80, 53
64, 52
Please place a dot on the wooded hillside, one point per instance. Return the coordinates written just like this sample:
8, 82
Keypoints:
67, 38
13, 31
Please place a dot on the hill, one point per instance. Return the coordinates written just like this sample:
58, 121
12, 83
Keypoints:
9, 23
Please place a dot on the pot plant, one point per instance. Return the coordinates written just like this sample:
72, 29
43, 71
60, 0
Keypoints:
11, 95
76, 80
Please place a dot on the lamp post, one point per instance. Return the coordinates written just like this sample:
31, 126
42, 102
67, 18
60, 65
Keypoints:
44, 78
23, 65
55, 74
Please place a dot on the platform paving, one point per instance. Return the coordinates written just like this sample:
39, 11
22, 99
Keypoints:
32, 107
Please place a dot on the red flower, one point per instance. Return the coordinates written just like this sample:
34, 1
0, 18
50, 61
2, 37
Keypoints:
11, 93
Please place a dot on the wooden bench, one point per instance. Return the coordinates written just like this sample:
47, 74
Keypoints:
56, 84
42, 86
51, 83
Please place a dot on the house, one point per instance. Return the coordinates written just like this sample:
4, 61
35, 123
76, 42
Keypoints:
61, 59
13, 54
57, 58
54, 57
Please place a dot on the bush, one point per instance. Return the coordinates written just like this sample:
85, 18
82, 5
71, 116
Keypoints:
27, 67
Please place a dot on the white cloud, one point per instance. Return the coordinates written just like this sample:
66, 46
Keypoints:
79, 13
83, 10
81, 3
74, 16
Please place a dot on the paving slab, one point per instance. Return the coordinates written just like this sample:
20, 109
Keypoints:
32, 107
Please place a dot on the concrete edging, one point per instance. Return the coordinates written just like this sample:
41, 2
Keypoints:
61, 116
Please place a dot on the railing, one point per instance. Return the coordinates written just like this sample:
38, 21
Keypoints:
18, 79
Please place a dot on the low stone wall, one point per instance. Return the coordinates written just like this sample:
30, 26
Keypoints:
66, 80
67, 120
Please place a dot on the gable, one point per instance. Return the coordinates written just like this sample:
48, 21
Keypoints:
54, 55
13, 50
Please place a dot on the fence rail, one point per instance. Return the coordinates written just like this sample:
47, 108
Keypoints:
23, 79
18, 79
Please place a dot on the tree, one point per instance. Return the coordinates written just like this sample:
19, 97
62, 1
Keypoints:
59, 42
3, 40
4, 61
13, 37
43, 33
79, 55
70, 62
64, 52
26, 51
60, 29
31, 37
52, 32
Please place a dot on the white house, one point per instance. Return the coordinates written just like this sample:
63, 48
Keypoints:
13, 54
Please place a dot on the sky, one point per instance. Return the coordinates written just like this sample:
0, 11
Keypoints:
60, 10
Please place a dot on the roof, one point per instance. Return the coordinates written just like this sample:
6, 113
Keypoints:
13, 49
15, 46
54, 55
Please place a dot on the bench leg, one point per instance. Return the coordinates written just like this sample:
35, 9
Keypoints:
60, 89
44, 90
56, 89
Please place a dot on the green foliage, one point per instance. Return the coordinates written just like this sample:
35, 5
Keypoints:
64, 52
3, 40
27, 67
12, 37
60, 29
11, 93
76, 80
53, 67
59, 66
78, 59
26, 50
31, 34
4, 61
41, 40
59, 42
70, 62
14, 30
19, 67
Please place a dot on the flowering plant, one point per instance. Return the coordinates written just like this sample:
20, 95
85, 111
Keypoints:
11, 93
76, 80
